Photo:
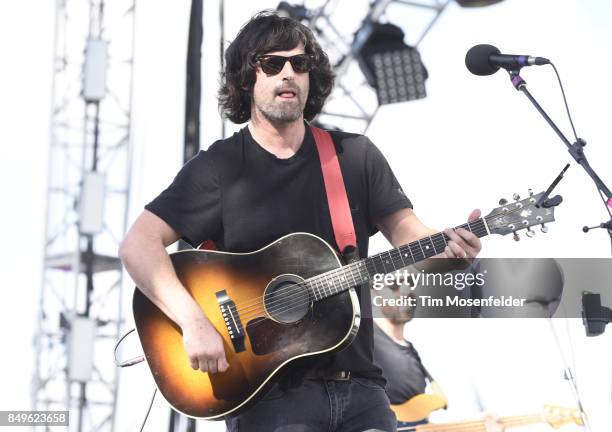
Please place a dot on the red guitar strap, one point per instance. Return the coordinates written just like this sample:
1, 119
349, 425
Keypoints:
342, 221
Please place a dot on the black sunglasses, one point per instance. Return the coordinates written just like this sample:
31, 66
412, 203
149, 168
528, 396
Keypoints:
273, 64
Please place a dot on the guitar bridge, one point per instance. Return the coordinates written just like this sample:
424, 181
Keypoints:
231, 320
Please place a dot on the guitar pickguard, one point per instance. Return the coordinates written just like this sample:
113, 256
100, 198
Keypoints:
268, 336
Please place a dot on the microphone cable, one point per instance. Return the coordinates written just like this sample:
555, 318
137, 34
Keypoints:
579, 140
565, 101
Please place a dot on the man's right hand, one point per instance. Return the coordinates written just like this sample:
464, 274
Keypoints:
204, 345
156, 278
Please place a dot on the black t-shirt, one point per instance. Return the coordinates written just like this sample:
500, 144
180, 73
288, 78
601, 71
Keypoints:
401, 365
243, 197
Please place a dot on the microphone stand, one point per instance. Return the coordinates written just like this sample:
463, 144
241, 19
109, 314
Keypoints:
569, 376
575, 149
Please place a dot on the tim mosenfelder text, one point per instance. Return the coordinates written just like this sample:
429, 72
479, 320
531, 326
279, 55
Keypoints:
459, 281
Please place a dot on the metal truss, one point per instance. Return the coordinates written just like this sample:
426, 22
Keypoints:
352, 104
82, 274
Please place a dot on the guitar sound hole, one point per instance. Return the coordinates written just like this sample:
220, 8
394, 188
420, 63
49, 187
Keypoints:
286, 299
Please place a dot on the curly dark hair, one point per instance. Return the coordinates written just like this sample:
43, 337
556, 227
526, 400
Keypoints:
267, 32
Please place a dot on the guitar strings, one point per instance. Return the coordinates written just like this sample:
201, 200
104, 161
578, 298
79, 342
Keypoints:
252, 309
290, 292
328, 276
293, 291
286, 304
288, 298
254, 305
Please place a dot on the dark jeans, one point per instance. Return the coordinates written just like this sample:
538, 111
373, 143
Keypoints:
355, 405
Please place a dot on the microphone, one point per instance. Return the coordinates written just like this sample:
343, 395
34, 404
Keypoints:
486, 60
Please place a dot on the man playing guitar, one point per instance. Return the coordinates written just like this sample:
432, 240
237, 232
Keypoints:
258, 185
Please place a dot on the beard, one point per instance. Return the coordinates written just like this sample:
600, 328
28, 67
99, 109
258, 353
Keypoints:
283, 111
399, 314
402, 317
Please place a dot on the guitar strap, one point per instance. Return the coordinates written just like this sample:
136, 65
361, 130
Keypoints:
340, 212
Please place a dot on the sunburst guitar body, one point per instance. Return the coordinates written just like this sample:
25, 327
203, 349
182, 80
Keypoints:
293, 298
265, 316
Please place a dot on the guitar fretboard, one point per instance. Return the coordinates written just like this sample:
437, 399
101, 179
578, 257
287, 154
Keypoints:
344, 278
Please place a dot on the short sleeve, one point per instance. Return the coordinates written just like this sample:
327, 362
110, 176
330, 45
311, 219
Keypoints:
191, 205
385, 195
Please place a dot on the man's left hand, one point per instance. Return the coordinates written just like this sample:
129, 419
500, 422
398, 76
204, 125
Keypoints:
463, 243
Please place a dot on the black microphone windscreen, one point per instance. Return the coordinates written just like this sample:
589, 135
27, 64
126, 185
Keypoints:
477, 59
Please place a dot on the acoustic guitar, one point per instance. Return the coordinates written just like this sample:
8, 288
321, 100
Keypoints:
290, 299
555, 416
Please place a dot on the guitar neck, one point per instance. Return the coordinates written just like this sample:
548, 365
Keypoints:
478, 426
356, 273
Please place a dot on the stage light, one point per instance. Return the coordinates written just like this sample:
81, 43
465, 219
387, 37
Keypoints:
476, 3
298, 13
391, 67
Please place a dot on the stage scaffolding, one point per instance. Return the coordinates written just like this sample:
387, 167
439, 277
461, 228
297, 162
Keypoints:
80, 312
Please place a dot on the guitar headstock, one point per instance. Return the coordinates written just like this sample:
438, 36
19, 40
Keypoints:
511, 217
557, 416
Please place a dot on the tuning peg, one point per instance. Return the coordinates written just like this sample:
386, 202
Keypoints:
503, 201
530, 192
544, 228
516, 197
516, 236
530, 233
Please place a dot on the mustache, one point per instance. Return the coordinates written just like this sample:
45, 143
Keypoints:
290, 86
